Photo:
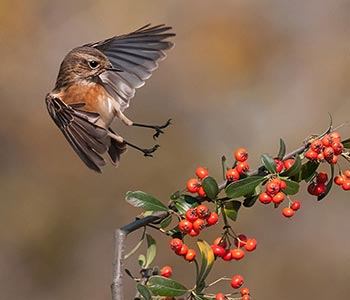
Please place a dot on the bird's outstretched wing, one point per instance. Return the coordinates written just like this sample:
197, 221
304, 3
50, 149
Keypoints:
87, 139
136, 55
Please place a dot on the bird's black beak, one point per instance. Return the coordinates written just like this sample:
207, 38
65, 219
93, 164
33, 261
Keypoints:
114, 69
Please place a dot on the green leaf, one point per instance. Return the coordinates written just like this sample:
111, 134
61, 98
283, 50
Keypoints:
166, 222
138, 245
328, 186
142, 260
208, 259
308, 170
282, 150
145, 201
185, 202
250, 200
210, 187
144, 291
294, 169
292, 187
175, 195
269, 163
151, 250
162, 286
346, 143
231, 209
244, 186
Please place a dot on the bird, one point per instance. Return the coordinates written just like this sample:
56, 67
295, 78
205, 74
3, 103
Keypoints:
94, 86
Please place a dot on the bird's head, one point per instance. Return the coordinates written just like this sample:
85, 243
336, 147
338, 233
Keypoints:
82, 64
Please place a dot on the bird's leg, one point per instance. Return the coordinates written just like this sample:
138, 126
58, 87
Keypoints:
157, 128
128, 122
145, 151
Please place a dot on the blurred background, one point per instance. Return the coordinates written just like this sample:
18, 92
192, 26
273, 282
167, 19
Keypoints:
243, 73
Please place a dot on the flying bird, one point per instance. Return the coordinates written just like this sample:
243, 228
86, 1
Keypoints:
94, 86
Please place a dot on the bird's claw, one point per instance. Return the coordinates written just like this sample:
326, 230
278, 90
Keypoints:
149, 152
159, 130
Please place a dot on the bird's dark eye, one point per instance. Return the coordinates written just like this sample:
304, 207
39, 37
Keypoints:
93, 64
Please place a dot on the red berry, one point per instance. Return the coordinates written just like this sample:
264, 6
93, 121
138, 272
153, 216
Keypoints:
346, 185
185, 226
198, 225
347, 173
295, 205
193, 185
228, 255
283, 185
220, 296
317, 146
333, 160
191, 214
244, 291
335, 135
328, 153
202, 211
237, 254
326, 140
311, 188
183, 251
202, 172
288, 163
241, 154
241, 240
176, 244
265, 198
288, 212
338, 148
279, 165
242, 167
220, 241
218, 250
237, 281
278, 198
322, 177
272, 187
232, 175
213, 218
251, 244
193, 232
201, 192
246, 297
311, 154
319, 189
190, 255
339, 179
320, 157
166, 271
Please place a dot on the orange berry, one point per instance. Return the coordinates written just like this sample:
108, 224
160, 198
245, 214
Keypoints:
202, 172
241, 154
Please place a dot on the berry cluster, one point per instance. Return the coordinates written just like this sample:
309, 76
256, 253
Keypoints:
236, 282
318, 186
274, 193
326, 149
181, 249
197, 219
241, 166
343, 179
194, 185
221, 247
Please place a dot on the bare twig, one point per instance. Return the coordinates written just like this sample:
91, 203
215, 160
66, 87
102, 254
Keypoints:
119, 250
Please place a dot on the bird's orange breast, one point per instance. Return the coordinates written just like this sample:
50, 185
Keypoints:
94, 97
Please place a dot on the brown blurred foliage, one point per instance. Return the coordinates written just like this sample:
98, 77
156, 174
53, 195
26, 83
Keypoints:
243, 73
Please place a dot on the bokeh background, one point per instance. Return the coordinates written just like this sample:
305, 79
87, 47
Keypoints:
243, 73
